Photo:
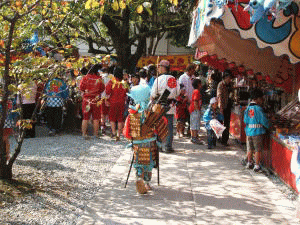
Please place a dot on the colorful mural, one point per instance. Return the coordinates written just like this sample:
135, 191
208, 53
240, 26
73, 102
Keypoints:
277, 25
281, 32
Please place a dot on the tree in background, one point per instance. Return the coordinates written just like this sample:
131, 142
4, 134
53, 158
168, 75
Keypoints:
123, 26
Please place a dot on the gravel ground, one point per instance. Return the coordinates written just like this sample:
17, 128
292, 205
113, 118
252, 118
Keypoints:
64, 172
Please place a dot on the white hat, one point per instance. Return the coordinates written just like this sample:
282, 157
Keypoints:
213, 100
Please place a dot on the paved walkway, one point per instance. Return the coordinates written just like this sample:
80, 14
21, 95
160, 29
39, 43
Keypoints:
197, 186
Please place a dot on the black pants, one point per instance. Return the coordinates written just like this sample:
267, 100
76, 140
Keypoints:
211, 138
27, 110
225, 135
54, 118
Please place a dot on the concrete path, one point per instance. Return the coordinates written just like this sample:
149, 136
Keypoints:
197, 186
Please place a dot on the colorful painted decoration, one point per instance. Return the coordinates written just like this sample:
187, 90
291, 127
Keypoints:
257, 10
277, 27
56, 87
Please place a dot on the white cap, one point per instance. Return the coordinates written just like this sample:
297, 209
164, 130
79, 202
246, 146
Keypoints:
213, 100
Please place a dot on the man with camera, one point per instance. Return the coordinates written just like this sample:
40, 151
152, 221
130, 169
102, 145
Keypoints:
162, 82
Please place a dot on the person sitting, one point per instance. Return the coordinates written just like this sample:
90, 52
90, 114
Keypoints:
212, 112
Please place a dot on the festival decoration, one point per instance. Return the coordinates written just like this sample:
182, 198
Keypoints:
177, 62
276, 27
257, 10
29, 44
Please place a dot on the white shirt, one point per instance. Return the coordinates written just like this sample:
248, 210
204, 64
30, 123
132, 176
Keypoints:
162, 83
186, 80
105, 78
143, 81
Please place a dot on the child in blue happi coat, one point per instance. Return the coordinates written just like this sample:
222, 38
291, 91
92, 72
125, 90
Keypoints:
257, 125
212, 112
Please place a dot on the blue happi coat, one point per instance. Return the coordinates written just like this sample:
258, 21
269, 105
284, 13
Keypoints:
255, 120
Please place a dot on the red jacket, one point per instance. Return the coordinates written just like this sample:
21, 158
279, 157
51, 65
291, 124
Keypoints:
117, 92
91, 85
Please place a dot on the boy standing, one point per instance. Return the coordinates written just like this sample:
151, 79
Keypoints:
169, 82
195, 111
256, 126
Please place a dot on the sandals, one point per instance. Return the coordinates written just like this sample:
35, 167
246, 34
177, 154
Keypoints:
140, 187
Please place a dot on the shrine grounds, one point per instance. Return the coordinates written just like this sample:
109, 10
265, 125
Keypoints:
68, 180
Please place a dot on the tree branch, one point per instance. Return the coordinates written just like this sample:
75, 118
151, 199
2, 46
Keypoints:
4, 3
113, 29
31, 8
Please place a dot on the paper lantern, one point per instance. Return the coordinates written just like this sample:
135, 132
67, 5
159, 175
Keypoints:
213, 57
241, 69
231, 65
222, 61
250, 72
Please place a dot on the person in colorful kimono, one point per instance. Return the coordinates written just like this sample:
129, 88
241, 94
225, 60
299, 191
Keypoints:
257, 124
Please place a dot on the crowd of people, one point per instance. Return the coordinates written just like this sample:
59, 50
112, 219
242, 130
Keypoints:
108, 96
104, 99
100, 95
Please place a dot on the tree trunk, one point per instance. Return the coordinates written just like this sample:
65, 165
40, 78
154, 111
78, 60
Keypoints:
5, 169
5, 172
